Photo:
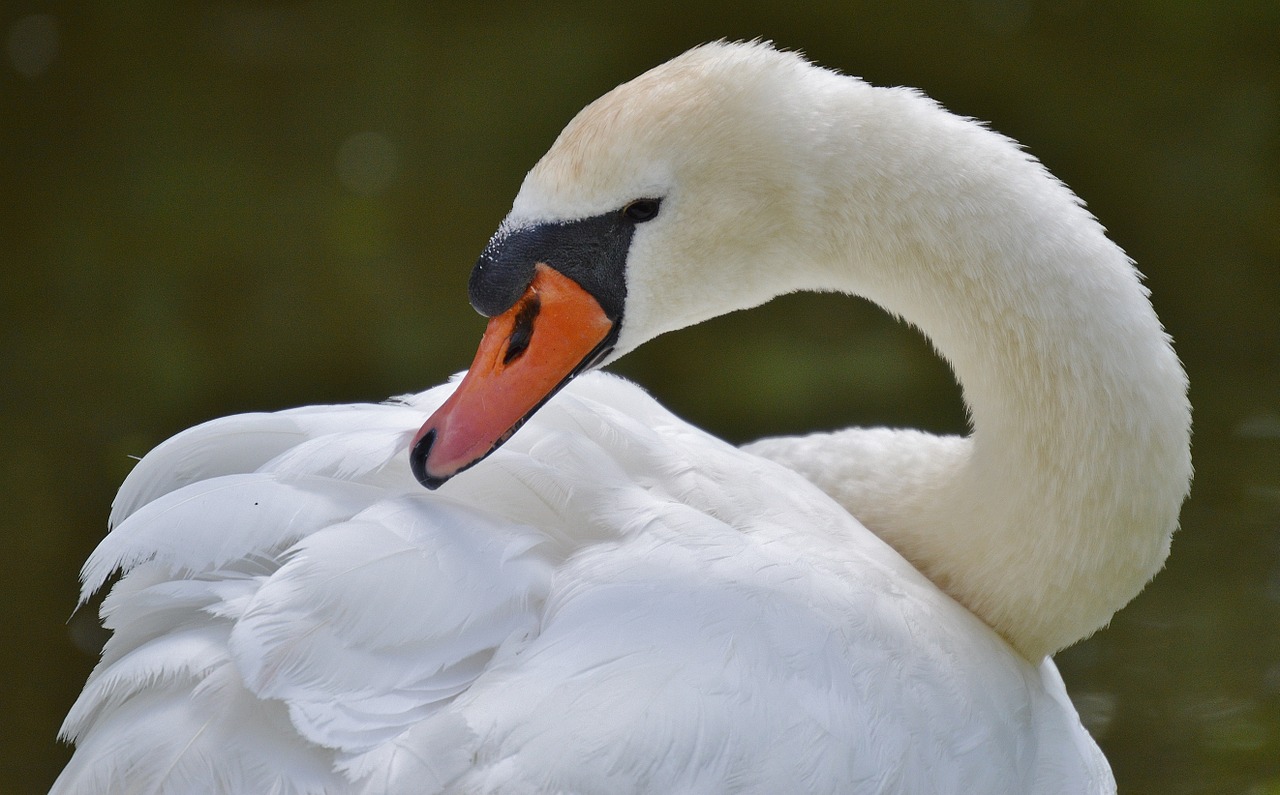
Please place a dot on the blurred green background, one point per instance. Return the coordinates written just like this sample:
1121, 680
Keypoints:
227, 207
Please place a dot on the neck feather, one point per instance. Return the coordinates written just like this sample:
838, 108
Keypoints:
1060, 506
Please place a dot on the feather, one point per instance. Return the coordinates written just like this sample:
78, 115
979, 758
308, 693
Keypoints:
216, 521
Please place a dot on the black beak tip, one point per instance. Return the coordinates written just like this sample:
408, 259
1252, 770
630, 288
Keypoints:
418, 461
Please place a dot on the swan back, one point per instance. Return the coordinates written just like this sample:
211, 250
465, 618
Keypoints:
495, 639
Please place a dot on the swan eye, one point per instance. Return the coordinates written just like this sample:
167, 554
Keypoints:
641, 210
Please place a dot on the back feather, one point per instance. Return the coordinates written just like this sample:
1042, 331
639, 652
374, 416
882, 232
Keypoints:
616, 602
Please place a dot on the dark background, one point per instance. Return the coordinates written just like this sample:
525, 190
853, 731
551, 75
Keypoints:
214, 208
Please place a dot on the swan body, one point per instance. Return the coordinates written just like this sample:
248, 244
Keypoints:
613, 601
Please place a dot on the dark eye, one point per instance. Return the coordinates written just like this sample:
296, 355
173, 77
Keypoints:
641, 210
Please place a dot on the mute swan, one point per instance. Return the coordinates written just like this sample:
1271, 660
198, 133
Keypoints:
615, 602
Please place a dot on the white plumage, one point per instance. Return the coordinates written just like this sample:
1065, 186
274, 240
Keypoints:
617, 602
616, 620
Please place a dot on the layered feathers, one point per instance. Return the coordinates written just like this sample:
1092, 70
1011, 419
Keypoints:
589, 612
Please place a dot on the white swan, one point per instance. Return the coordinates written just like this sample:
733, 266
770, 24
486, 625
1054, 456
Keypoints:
615, 602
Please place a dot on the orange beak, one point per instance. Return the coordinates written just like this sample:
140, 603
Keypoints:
553, 332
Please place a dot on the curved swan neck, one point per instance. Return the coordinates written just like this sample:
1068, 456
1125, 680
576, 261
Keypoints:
1060, 506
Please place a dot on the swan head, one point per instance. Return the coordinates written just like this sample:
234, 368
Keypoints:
666, 202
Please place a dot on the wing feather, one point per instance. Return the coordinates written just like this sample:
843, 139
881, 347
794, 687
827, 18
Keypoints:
614, 602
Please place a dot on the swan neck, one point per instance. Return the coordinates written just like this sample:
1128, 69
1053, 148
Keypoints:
1060, 505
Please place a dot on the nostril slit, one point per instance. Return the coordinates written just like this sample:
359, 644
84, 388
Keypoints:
522, 329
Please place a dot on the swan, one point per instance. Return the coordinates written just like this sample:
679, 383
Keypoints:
592, 596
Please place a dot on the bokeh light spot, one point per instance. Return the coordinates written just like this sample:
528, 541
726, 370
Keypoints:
33, 44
